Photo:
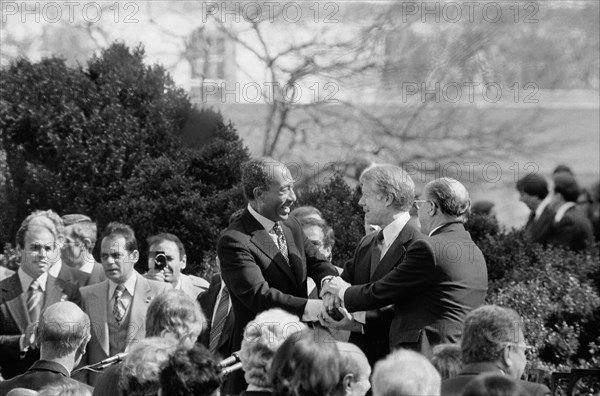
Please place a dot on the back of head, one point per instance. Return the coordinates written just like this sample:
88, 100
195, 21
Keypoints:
392, 180
483, 207
447, 360
174, 312
306, 211
486, 329
141, 367
303, 367
262, 338
62, 329
450, 196
190, 372
494, 385
562, 168
355, 363
566, 185
405, 373
533, 184
65, 387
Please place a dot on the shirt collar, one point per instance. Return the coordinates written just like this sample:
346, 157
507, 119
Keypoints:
87, 267
560, 212
129, 285
26, 280
55, 268
435, 229
392, 230
266, 223
545, 202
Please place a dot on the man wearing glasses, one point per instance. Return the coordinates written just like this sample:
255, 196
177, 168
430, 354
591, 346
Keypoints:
431, 298
31, 289
492, 342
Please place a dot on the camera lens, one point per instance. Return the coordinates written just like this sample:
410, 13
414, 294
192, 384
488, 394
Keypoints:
160, 261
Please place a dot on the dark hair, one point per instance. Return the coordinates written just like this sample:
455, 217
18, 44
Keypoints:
303, 367
533, 184
165, 236
562, 168
493, 384
190, 372
566, 185
119, 229
257, 173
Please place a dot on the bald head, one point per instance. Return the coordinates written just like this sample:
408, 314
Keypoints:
63, 328
355, 363
449, 195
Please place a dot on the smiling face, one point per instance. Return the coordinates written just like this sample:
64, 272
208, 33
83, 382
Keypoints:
175, 263
117, 261
276, 202
40, 251
374, 205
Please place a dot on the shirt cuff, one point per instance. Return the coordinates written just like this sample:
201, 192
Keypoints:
341, 294
326, 279
312, 310
360, 317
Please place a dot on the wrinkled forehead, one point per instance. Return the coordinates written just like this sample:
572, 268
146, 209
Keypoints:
113, 243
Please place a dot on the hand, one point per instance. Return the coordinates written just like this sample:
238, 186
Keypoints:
29, 339
331, 302
154, 274
346, 323
334, 286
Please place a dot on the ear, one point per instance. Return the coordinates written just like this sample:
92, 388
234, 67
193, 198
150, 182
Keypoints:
506, 358
87, 242
389, 200
257, 192
135, 255
347, 381
183, 261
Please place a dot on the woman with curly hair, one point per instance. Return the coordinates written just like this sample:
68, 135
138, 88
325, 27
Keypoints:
262, 337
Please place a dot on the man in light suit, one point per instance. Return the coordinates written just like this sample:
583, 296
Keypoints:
63, 334
24, 294
431, 297
80, 239
166, 260
265, 257
387, 196
117, 306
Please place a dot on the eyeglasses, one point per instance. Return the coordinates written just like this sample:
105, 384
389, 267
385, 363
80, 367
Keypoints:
418, 202
527, 349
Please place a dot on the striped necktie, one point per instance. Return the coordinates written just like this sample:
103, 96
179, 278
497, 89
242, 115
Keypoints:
34, 299
219, 323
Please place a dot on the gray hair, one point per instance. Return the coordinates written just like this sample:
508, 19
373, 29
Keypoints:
419, 377
176, 313
392, 180
63, 328
487, 329
450, 196
37, 218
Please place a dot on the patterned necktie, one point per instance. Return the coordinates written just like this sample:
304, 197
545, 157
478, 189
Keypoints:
220, 317
34, 299
281, 244
119, 307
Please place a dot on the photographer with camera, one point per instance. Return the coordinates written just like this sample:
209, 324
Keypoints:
166, 259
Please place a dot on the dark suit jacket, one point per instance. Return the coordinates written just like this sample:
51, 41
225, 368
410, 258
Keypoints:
258, 276
208, 301
95, 301
41, 374
14, 319
455, 386
375, 340
574, 231
539, 230
440, 280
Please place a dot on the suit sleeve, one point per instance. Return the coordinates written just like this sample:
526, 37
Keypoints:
244, 279
410, 277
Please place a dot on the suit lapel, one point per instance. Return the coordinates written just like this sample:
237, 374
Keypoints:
53, 291
375, 258
395, 253
15, 301
265, 243
139, 305
294, 255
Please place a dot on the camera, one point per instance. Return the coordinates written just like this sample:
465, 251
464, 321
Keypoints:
160, 261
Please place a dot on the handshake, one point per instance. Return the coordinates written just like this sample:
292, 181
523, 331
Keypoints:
333, 313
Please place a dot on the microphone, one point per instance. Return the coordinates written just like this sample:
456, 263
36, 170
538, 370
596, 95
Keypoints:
101, 365
228, 370
234, 358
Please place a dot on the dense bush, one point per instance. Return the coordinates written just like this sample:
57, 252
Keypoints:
106, 141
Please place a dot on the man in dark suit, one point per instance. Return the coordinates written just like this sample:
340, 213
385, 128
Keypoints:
80, 239
432, 297
533, 192
265, 257
387, 196
63, 334
210, 301
28, 291
492, 342
571, 228
117, 306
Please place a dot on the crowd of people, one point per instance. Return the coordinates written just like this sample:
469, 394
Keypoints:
405, 316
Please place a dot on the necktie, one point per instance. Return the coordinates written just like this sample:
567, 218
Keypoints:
34, 299
119, 307
281, 244
220, 317
377, 248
